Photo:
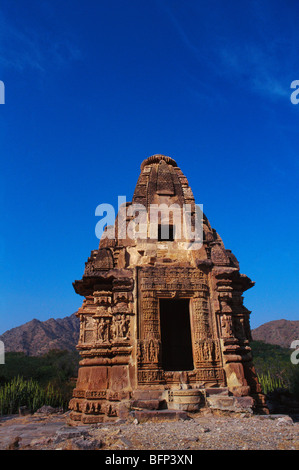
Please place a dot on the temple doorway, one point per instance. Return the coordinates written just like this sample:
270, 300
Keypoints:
176, 335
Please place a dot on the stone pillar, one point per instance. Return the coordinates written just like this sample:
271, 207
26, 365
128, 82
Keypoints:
104, 381
149, 342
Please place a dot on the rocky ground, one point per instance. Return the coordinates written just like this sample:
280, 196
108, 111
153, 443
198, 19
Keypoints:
202, 431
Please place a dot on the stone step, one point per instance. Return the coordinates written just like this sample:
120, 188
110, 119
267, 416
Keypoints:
216, 391
151, 404
230, 403
147, 394
159, 415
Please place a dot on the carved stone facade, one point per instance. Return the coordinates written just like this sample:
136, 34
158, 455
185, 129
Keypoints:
137, 292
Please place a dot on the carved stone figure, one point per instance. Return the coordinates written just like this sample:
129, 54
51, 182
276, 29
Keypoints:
226, 323
103, 330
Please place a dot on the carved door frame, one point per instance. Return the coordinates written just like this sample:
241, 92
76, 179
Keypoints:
178, 283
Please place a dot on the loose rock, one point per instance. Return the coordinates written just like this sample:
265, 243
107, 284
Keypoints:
201, 432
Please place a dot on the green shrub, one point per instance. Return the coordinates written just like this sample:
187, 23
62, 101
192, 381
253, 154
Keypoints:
269, 382
34, 381
274, 368
20, 392
56, 364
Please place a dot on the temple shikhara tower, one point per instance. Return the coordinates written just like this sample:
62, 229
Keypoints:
163, 326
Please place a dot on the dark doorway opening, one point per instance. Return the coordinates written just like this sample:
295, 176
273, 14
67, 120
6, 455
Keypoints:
176, 334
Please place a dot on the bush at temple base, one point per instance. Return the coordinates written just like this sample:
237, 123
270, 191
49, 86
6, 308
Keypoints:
28, 393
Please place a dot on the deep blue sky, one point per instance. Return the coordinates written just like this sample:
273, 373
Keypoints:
92, 88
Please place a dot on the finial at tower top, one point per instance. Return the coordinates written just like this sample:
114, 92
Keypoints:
156, 159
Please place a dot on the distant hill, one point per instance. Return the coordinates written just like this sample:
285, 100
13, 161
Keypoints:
38, 337
280, 332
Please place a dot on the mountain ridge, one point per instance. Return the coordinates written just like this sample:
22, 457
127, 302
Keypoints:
280, 332
37, 337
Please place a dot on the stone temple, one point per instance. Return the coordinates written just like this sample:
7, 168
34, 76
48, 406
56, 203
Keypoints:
162, 326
